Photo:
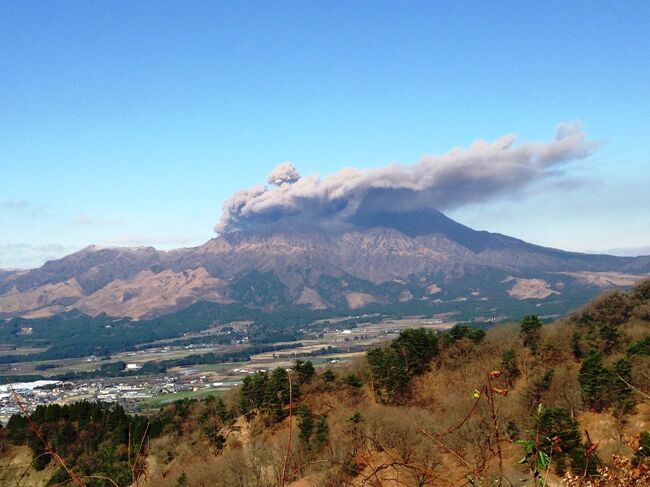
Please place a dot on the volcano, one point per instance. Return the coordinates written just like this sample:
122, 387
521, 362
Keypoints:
380, 259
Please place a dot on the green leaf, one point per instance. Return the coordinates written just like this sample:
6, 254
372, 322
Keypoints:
528, 446
543, 460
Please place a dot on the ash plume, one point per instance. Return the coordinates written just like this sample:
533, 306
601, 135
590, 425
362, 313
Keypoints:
284, 173
478, 173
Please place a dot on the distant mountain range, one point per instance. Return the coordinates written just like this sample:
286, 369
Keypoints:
386, 258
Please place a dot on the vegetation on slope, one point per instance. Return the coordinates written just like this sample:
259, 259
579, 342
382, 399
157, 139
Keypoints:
74, 334
521, 404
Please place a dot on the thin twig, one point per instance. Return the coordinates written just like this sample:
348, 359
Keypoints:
313, 462
37, 432
495, 417
30, 466
128, 449
283, 478
467, 416
132, 466
635, 389
588, 453
100, 477
405, 463
441, 444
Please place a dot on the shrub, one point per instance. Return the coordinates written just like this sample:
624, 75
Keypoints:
353, 381
643, 452
328, 376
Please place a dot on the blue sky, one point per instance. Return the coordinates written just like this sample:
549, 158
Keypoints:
130, 123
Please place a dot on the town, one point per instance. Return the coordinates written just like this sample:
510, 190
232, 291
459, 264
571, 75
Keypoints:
144, 392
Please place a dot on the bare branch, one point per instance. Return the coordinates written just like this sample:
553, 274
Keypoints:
74, 477
283, 478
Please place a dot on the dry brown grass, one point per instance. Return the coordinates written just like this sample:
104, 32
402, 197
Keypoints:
458, 420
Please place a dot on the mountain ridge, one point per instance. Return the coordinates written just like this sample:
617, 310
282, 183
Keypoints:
294, 263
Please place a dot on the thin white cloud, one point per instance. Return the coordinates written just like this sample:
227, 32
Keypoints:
36, 211
85, 220
22, 255
146, 240
14, 205
630, 251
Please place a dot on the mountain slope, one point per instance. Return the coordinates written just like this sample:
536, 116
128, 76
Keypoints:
385, 258
567, 402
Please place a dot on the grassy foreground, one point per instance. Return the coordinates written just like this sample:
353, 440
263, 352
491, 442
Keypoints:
566, 403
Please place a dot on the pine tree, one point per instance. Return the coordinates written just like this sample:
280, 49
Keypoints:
416, 347
595, 381
533, 394
304, 370
559, 432
509, 366
407, 356
530, 332
353, 381
459, 332
329, 376
277, 388
252, 392
610, 338
575, 345
622, 393
305, 423
321, 433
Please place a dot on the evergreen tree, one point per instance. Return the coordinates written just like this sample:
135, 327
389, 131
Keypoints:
305, 423
353, 381
415, 348
277, 388
181, 481
560, 436
642, 347
610, 337
622, 393
321, 433
407, 356
459, 332
534, 392
575, 345
328, 376
509, 366
389, 372
595, 381
91, 437
252, 391
531, 332
304, 370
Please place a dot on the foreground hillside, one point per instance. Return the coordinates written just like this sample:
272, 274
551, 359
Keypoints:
523, 404
422, 257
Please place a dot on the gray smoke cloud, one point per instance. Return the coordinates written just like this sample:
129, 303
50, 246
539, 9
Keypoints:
284, 173
478, 173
